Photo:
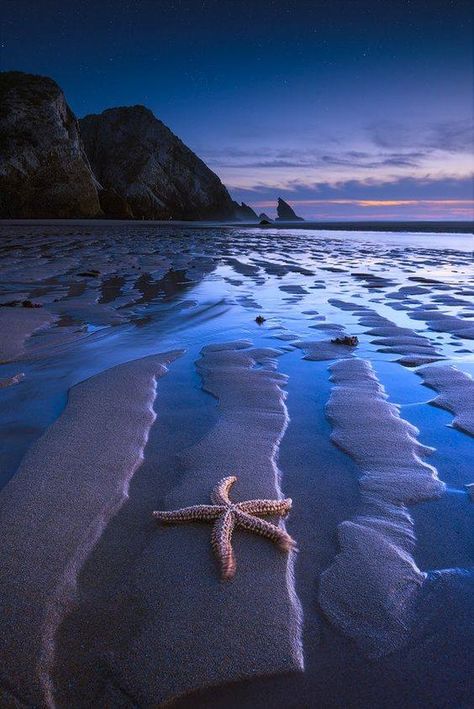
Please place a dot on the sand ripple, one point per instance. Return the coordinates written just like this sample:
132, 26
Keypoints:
196, 630
456, 393
368, 591
55, 508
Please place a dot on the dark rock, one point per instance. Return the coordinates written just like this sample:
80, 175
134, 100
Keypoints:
286, 213
114, 205
265, 217
259, 319
90, 274
264, 222
21, 304
44, 172
157, 176
348, 340
245, 213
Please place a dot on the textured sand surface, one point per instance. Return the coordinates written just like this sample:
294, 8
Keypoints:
195, 629
391, 338
443, 322
456, 393
320, 350
17, 325
369, 589
147, 616
53, 511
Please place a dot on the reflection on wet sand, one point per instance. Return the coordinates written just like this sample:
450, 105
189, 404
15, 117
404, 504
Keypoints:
96, 438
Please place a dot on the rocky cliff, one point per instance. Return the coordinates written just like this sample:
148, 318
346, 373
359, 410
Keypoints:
44, 172
286, 213
123, 163
147, 171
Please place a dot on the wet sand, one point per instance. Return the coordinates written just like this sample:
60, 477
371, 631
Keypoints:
56, 507
102, 606
17, 324
185, 605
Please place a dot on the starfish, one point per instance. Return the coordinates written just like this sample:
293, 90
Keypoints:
227, 515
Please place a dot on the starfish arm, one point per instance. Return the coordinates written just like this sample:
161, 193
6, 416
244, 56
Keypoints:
204, 513
221, 543
220, 494
271, 531
261, 508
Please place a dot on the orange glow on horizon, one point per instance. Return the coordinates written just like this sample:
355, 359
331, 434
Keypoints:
466, 203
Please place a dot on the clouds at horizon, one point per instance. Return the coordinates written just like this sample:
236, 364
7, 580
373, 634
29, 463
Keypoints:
410, 198
430, 170
428, 167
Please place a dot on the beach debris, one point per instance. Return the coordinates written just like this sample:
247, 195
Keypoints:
259, 319
227, 516
470, 490
92, 273
15, 379
348, 340
22, 303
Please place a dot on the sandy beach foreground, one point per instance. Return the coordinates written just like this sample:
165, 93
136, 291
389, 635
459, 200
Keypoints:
134, 376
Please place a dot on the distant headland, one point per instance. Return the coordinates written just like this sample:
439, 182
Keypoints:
121, 164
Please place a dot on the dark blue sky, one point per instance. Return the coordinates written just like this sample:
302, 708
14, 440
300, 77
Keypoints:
346, 108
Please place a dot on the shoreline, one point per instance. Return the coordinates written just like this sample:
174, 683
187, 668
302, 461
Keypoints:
421, 226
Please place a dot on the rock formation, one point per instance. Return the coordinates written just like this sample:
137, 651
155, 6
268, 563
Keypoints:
44, 172
154, 174
265, 217
286, 213
245, 213
114, 205
121, 164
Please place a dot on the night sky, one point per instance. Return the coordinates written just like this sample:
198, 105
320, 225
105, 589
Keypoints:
348, 109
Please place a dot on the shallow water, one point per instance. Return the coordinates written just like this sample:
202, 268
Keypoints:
168, 288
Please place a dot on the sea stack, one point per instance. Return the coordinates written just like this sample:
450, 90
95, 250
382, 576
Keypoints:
44, 171
147, 171
245, 213
286, 213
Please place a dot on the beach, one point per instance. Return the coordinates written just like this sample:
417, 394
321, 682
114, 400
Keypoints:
134, 376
